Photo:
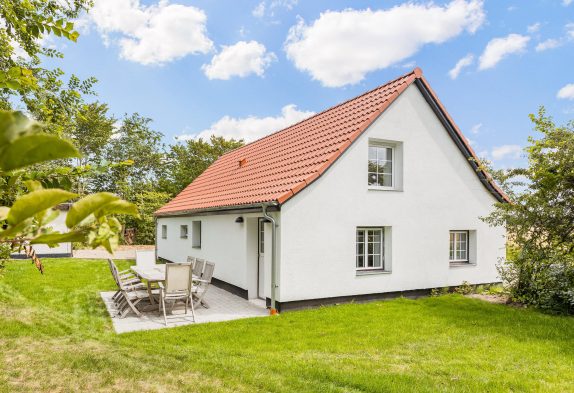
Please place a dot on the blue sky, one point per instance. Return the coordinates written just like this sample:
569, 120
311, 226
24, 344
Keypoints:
245, 68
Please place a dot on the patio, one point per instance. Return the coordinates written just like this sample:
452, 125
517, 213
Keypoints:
223, 306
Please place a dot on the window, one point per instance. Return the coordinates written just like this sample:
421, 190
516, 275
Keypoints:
183, 231
370, 249
381, 160
196, 234
261, 236
459, 249
164, 231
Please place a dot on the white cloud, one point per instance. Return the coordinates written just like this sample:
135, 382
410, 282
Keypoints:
251, 128
262, 9
550, 43
566, 92
506, 151
241, 59
462, 63
341, 47
475, 129
154, 34
259, 10
499, 48
570, 30
566, 3
533, 28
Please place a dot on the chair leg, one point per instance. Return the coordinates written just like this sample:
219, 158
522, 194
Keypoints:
132, 306
192, 310
163, 308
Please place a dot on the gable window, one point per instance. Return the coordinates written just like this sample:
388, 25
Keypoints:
459, 247
381, 162
183, 231
164, 231
370, 249
196, 234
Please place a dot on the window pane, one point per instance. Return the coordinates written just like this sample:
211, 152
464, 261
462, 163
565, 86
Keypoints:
373, 166
372, 179
385, 180
360, 261
372, 153
376, 261
386, 167
370, 261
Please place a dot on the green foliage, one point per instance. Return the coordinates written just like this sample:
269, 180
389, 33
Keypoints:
147, 202
539, 269
185, 161
26, 220
464, 289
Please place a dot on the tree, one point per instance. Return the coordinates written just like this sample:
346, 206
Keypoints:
136, 142
540, 219
186, 161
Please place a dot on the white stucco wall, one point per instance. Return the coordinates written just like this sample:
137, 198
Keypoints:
440, 192
231, 246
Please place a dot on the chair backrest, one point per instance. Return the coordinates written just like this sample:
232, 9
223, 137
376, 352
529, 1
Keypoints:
177, 277
198, 267
208, 271
145, 258
114, 270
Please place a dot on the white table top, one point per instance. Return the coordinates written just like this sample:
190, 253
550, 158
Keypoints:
155, 273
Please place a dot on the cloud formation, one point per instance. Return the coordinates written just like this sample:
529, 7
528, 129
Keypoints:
154, 34
241, 59
341, 47
499, 48
466, 61
566, 92
252, 127
506, 151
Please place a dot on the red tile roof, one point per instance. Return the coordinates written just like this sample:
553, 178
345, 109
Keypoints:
278, 166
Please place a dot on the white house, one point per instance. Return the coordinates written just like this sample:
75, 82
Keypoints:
376, 197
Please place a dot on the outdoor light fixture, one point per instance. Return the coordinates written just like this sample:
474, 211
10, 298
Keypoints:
239, 220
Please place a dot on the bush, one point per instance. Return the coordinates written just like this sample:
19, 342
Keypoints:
544, 281
464, 289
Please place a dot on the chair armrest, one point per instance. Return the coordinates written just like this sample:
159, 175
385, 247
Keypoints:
160, 284
202, 280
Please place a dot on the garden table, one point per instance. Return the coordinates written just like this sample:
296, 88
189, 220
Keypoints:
150, 275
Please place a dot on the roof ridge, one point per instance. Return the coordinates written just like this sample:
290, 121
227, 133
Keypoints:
415, 71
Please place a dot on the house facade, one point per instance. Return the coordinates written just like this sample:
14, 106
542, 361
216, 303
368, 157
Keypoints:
376, 197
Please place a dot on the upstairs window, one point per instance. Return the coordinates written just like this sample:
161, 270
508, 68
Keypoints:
459, 247
381, 163
183, 231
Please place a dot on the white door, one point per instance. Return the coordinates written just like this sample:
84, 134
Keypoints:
261, 256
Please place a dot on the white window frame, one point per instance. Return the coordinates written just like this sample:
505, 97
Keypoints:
183, 233
365, 253
164, 231
393, 165
452, 256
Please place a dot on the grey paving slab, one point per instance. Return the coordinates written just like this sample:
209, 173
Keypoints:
223, 306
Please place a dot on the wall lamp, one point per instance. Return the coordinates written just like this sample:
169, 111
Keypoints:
239, 220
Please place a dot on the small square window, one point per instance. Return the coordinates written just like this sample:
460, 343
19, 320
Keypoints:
164, 231
183, 231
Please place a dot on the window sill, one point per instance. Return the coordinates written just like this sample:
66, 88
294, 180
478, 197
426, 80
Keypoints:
373, 188
461, 264
196, 247
371, 272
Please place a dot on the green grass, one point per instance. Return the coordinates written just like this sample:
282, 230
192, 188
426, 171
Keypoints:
56, 336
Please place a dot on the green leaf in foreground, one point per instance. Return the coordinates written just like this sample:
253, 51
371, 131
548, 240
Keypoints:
55, 238
88, 205
33, 149
119, 207
33, 203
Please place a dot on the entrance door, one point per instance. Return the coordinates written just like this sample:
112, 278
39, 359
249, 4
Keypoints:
261, 259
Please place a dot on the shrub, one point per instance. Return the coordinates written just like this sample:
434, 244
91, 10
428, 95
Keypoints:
464, 289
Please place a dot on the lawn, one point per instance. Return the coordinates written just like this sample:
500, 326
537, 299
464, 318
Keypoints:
56, 336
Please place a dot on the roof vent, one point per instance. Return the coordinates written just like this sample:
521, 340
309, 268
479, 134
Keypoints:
242, 162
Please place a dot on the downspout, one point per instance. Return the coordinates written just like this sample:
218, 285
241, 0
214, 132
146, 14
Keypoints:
155, 235
273, 310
